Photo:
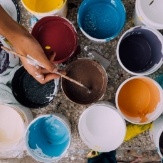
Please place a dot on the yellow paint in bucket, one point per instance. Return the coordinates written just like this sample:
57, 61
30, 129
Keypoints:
42, 6
138, 97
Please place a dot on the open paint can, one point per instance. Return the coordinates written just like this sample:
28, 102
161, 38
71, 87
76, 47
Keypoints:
156, 134
140, 100
91, 74
101, 127
31, 93
149, 13
56, 34
14, 120
48, 137
101, 21
45, 8
140, 50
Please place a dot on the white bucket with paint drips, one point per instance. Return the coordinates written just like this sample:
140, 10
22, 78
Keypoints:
149, 12
156, 134
14, 120
48, 137
101, 127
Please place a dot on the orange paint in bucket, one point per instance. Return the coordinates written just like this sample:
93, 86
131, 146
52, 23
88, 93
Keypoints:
43, 5
138, 97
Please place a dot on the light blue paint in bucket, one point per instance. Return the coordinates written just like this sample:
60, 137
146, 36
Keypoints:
101, 20
48, 138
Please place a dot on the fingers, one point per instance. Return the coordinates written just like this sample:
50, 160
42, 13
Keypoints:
43, 76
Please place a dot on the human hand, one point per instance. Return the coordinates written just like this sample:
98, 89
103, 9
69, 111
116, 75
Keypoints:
39, 73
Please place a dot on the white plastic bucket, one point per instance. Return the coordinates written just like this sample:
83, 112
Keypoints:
140, 50
60, 10
101, 127
48, 137
14, 120
140, 100
149, 12
156, 132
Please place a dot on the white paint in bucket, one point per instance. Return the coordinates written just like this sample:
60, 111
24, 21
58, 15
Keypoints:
149, 12
154, 39
155, 133
101, 127
62, 11
13, 123
135, 99
48, 137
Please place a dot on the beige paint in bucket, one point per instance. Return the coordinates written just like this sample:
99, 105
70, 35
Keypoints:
46, 8
101, 127
13, 123
139, 99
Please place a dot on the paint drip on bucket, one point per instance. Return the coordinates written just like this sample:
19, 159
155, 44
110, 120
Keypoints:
139, 99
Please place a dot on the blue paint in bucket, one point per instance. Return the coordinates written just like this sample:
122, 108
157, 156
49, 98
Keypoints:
101, 20
47, 138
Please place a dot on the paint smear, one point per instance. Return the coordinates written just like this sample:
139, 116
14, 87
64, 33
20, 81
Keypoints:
43, 5
138, 97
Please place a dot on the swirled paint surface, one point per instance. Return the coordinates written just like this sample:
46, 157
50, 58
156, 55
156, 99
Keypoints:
48, 137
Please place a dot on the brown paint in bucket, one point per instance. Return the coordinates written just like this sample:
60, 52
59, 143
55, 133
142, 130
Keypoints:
138, 97
89, 73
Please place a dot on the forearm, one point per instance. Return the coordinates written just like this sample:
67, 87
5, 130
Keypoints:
9, 27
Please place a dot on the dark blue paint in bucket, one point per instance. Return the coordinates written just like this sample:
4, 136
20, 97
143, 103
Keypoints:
101, 20
140, 50
135, 52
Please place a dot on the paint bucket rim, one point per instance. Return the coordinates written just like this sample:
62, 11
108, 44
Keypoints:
65, 22
41, 159
42, 13
105, 81
155, 67
13, 146
97, 40
107, 105
159, 105
144, 19
18, 94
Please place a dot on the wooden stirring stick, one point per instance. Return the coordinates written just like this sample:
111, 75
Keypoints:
64, 76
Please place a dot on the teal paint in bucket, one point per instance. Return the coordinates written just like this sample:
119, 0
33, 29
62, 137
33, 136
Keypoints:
48, 138
101, 20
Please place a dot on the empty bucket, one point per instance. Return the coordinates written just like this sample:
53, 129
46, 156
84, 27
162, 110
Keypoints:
156, 134
91, 74
48, 137
44, 8
56, 34
14, 120
139, 99
140, 50
101, 20
101, 127
149, 13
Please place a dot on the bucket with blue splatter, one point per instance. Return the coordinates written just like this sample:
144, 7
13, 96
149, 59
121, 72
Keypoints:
101, 20
48, 137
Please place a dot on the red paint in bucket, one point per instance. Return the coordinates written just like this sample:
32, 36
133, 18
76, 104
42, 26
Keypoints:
58, 34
